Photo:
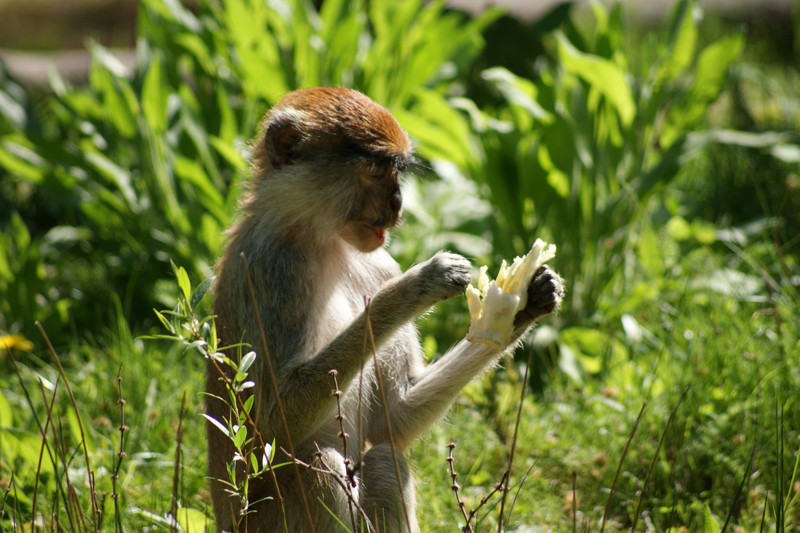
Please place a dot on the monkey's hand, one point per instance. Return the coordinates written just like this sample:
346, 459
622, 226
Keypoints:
545, 293
441, 277
518, 295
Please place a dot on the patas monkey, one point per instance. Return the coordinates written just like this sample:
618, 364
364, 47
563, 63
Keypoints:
325, 189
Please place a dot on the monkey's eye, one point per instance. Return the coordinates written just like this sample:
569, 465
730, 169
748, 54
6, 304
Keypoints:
379, 169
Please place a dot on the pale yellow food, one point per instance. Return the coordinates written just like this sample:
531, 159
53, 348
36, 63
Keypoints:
494, 304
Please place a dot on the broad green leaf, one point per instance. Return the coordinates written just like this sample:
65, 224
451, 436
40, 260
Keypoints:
188, 170
228, 151
154, 96
119, 177
710, 524
682, 42
120, 104
108, 61
7, 275
259, 56
307, 44
192, 520
166, 323
12, 110
713, 66
600, 73
517, 91
23, 448
18, 158
198, 51
711, 76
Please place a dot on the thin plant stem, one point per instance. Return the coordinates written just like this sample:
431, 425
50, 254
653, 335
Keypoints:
655, 458
41, 450
455, 487
177, 466
386, 418
619, 468
121, 453
348, 466
575, 502
513, 443
278, 402
89, 472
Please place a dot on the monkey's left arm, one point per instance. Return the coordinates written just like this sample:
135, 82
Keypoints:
432, 390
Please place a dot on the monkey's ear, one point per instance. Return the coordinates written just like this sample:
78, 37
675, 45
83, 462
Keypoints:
281, 141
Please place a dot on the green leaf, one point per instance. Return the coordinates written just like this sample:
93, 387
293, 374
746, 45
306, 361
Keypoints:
201, 291
18, 158
119, 177
254, 462
12, 110
517, 91
227, 150
247, 360
557, 179
710, 524
713, 65
184, 283
190, 171
248, 403
154, 96
166, 323
711, 76
217, 424
239, 437
600, 73
120, 105
192, 520
682, 41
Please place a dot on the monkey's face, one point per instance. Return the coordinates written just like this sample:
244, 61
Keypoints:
333, 158
377, 206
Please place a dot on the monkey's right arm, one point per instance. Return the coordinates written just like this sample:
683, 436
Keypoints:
304, 383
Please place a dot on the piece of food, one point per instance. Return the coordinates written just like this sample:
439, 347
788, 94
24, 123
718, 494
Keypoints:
494, 304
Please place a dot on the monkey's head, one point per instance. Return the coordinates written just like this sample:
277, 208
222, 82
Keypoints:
330, 162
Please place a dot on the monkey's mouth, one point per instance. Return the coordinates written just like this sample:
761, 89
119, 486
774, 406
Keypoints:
379, 232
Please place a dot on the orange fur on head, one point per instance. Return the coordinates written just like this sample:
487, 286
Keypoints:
332, 122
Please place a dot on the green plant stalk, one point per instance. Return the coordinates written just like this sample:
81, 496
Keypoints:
89, 472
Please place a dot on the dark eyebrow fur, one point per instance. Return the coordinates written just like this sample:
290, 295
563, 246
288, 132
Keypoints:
400, 161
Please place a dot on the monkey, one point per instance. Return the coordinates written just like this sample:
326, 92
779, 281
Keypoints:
323, 193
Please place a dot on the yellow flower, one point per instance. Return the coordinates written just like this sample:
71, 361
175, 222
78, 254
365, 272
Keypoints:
15, 343
494, 304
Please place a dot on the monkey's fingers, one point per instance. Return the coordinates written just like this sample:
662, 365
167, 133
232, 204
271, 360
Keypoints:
545, 293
